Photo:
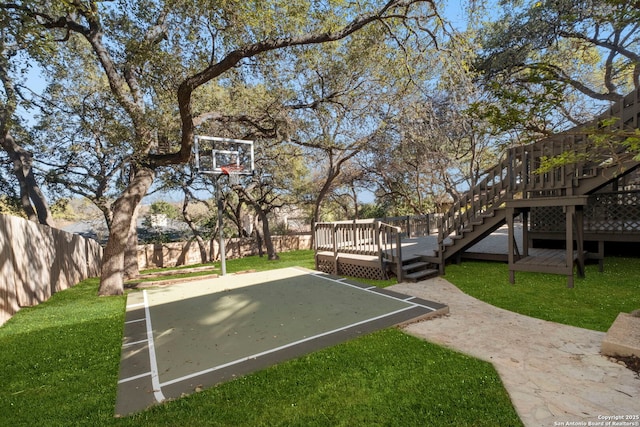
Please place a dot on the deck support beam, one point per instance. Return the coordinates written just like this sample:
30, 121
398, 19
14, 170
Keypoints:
574, 232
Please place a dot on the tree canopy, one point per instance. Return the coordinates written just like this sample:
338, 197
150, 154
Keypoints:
554, 64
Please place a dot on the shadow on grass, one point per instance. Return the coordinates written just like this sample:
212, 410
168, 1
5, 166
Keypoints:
60, 360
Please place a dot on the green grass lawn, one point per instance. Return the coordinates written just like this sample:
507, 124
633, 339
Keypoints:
593, 302
60, 360
60, 367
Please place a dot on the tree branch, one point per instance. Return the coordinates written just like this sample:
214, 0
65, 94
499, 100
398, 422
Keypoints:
187, 87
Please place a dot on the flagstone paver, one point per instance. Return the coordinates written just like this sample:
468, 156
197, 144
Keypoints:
554, 374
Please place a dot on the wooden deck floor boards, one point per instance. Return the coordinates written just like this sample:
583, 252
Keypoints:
551, 257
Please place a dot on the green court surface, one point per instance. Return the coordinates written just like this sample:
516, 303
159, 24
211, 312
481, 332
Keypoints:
196, 334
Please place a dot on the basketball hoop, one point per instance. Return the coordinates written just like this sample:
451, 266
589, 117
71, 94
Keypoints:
217, 156
233, 171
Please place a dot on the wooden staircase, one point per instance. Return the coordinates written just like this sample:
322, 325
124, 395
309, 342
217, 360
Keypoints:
414, 269
373, 248
482, 209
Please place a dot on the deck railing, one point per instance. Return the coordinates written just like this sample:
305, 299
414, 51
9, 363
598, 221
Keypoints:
412, 225
349, 237
364, 237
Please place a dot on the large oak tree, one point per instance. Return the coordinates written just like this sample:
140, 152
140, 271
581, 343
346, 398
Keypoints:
146, 46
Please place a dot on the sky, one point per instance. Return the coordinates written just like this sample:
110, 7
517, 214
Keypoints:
454, 12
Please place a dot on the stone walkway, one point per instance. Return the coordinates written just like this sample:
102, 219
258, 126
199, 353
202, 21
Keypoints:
553, 373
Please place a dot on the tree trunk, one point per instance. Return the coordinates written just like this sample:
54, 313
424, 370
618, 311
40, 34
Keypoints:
315, 217
25, 202
112, 276
356, 210
258, 238
194, 229
268, 243
33, 201
131, 268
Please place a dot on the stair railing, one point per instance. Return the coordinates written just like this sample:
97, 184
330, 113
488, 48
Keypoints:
390, 244
514, 175
482, 199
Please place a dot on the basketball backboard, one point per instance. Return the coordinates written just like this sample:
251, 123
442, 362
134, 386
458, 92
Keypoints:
216, 156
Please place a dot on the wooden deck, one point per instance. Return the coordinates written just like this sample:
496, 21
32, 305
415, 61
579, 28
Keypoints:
494, 248
552, 261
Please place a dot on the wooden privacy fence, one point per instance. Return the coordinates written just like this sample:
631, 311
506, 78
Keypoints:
36, 261
187, 253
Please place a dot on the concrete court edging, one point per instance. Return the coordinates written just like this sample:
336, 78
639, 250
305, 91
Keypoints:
554, 374
623, 338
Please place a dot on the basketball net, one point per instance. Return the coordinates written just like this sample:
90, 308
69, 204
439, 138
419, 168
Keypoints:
233, 172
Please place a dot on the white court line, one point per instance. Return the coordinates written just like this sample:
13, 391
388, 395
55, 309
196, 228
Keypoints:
320, 275
134, 321
255, 356
155, 380
135, 377
133, 343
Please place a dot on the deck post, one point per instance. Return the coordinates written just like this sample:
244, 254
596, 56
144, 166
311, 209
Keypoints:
510, 243
525, 233
579, 235
600, 256
569, 215
381, 260
335, 248
314, 227
400, 272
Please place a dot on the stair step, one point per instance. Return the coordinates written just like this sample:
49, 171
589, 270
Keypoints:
411, 260
422, 274
415, 266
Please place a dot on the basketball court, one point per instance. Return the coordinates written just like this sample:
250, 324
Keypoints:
185, 337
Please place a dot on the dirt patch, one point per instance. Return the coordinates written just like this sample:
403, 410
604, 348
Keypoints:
171, 272
631, 362
166, 282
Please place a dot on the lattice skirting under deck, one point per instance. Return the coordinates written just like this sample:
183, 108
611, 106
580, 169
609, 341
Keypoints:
352, 270
604, 213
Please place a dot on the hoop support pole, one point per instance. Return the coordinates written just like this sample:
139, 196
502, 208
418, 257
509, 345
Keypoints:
223, 252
